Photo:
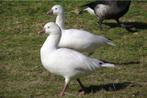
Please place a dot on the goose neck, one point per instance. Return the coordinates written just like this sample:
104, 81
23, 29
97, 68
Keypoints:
50, 44
60, 20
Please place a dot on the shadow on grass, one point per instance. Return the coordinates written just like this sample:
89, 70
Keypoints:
106, 87
122, 63
134, 25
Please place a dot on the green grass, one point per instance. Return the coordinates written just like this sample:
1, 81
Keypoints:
22, 75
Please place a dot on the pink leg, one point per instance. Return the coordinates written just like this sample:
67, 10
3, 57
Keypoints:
64, 89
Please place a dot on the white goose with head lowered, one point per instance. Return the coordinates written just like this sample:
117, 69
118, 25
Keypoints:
63, 61
76, 38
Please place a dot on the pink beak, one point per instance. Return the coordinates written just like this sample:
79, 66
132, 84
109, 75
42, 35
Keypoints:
49, 12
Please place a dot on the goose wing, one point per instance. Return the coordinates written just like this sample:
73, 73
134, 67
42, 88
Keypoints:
67, 62
95, 3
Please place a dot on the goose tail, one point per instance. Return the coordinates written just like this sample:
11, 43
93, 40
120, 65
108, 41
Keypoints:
104, 40
110, 43
107, 65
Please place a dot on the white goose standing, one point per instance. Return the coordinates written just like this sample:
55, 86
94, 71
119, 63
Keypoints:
77, 39
63, 61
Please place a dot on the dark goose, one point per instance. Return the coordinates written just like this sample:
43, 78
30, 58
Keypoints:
108, 9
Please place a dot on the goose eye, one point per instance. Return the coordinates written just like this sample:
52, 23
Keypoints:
55, 8
48, 27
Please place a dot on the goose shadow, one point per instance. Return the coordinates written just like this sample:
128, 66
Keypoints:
122, 63
106, 87
134, 26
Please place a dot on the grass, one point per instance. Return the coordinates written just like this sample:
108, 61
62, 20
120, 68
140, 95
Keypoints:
22, 75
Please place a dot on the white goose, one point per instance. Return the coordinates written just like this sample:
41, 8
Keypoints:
77, 39
63, 61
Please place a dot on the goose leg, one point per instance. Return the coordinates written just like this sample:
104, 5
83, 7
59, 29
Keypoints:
100, 21
127, 27
82, 92
62, 93
100, 24
63, 90
121, 25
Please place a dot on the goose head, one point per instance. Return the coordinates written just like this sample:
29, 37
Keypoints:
56, 10
51, 28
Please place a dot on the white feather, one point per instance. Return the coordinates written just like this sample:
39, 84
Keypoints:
89, 10
101, 10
